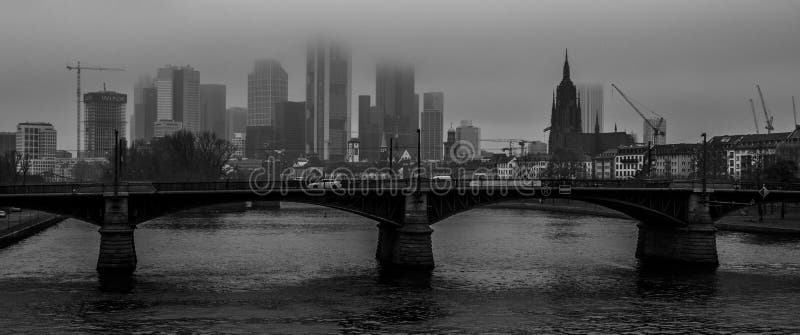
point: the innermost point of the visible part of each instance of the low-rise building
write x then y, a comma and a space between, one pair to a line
629, 161
674, 161
743, 156
604, 164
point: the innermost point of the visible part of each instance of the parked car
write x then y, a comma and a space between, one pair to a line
15, 209
325, 184
2, 214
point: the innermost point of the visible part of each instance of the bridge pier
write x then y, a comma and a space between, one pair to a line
410, 244
117, 249
695, 243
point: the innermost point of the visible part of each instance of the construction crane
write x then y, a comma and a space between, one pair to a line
753, 109
78, 69
769, 126
656, 128
510, 142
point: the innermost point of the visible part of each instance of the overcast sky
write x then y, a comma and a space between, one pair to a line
497, 62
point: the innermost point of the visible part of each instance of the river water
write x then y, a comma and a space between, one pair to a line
304, 269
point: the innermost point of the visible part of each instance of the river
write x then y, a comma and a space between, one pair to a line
305, 269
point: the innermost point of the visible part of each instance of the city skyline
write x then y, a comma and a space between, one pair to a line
515, 89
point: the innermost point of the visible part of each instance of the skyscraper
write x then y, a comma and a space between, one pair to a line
267, 86
105, 112
144, 109
659, 123
590, 96
212, 109
468, 140
178, 96
328, 84
432, 125
370, 129
396, 101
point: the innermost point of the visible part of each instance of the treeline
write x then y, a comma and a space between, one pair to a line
179, 157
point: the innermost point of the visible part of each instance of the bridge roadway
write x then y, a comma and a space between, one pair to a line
675, 223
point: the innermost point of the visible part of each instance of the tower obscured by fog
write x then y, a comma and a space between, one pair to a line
177, 99
432, 125
661, 125
397, 102
105, 112
236, 122
370, 129
328, 85
590, 96
212, 109
144, 108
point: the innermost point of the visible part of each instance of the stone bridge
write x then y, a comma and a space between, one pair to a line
675, 224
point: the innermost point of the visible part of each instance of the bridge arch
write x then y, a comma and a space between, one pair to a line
442, 206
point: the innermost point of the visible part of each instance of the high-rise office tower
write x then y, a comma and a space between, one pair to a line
178, 96
212, 109
290, 126
236, 121
144, 109
370, 129
590, 96
328, 85
396, 101
661, 125
432, 125
267, 86
37, 142
105, 112
468, 140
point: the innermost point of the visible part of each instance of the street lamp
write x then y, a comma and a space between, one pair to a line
705, 161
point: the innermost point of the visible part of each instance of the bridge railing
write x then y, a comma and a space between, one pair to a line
397, 183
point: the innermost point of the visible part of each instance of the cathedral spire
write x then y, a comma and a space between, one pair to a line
566, 64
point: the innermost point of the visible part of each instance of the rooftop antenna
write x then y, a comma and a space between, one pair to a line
104, 86
794, 110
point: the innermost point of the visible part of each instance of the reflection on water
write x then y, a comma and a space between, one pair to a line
310, 270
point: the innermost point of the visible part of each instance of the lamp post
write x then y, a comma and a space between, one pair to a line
705, 162
116, 162
419, 156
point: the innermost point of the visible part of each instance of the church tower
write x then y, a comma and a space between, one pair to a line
566, 111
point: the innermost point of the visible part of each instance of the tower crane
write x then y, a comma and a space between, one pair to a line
753, 109
510, 142
656, 128
769, 126
78, 69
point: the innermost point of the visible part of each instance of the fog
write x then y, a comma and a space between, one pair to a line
497, 62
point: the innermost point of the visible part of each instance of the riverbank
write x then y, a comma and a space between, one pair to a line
746, 220
20, 225
562, 206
